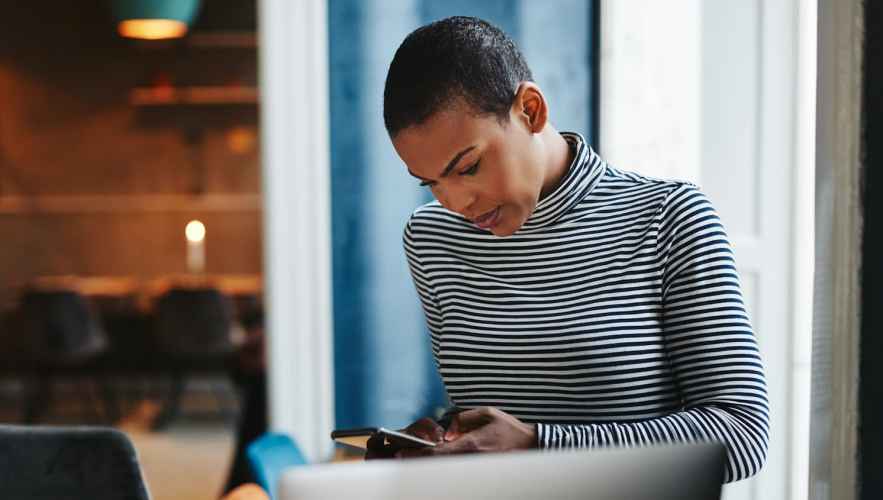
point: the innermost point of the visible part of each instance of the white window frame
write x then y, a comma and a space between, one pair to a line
297, 222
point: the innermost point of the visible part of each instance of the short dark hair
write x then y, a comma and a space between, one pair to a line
456, 57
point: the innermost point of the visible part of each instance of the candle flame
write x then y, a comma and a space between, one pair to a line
195, 231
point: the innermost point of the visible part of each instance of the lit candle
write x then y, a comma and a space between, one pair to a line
195, 233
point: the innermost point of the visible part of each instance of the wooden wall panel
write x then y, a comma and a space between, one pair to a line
67, 128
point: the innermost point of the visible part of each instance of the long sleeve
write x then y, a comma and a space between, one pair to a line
709, 343
424, 290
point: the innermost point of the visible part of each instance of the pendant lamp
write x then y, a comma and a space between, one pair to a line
154, 19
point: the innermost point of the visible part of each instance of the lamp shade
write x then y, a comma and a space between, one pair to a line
154, 19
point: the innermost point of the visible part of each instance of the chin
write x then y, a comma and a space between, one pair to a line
505, 227
503, 230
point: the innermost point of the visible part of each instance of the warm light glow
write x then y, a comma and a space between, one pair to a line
195, 231
152, 29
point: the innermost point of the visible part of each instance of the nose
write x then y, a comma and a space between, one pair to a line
459, 201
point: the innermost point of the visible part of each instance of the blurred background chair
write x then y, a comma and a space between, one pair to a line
11, 377
195, 332
269, 456
60, 334
61, 327
69, 462
129, 366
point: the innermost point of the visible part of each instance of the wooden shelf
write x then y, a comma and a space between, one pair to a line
223, 39
247, 40
118, 203
199, 96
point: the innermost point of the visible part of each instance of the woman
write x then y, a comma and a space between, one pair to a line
570, 304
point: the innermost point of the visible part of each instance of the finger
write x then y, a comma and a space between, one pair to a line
468, 421
427, 429
465, 444
408, 453
453, 431
377, 448
376, 442
380, 455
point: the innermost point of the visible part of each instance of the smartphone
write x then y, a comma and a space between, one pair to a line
358, 438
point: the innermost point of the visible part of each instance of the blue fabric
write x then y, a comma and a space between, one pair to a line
379, 331
67, 463
384, 371
269, 456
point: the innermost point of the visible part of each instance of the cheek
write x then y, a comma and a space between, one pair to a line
523, 181
517, 201
520, 186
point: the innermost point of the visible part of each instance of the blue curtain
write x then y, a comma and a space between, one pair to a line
384, 373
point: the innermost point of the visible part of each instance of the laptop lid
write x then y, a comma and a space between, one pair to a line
682, 472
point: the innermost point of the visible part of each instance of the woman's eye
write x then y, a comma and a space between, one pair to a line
471, 170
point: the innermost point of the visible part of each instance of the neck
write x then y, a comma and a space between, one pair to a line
558, 161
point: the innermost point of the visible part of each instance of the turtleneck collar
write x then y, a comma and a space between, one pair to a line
581, 177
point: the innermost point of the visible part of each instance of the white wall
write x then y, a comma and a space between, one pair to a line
650, 83
719, 93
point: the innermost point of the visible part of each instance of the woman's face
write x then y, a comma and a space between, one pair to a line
491, 174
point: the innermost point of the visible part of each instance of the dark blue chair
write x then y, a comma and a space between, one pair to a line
67, 463
62, 336
269, 456
194, 327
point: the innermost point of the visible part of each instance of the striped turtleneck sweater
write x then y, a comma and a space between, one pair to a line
612, 317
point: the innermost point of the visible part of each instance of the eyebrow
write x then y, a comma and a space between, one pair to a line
451, 164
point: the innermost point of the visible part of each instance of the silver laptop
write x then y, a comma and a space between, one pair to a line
683, 472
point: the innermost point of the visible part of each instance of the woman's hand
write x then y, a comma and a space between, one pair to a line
425, 428
480, 430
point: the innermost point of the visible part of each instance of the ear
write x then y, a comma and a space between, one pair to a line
530, 108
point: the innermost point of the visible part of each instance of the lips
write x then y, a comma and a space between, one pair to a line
488, 219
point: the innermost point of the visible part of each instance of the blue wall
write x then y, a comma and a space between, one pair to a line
384, 373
